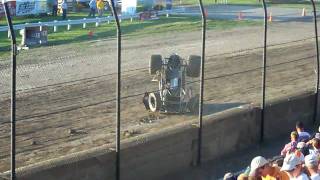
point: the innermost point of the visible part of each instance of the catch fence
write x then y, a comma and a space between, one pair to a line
119, 73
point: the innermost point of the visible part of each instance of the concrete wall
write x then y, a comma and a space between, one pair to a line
153, 155
230, 131
282, 114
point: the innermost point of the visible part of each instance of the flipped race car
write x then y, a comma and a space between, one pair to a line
173, 96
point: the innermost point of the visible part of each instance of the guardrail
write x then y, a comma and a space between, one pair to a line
84, 21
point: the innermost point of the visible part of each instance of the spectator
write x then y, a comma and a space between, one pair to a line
316, 136
93, 6
315, 147
54, 7
303, 135
168, 4
311, 163
64, 7
260, 168
303, 148
291, 147
106, 6
292, 165
242, 177
229, 176
278, 162
100, 7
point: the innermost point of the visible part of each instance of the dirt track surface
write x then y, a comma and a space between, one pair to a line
66, 98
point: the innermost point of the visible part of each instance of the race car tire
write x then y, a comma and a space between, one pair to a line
154, 102
193, 66
155, 64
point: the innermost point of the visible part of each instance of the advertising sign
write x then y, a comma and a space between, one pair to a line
35, 35
129, 7
26, 7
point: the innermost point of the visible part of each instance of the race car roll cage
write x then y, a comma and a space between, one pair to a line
174, 83
173, 96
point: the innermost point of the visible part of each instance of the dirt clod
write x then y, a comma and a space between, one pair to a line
72, 131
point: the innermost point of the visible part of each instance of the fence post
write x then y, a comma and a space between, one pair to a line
23, 37
13, 90
264, 71
40, 28
40, 25
114, 11
204, 27
55, 27
84, 25
97, 21
318, 63
69, 25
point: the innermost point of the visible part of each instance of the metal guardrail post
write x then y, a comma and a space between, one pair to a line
264, 71
317, 50
84, 25
55, 27
13, 90
114, 11
69, 25
97, 21
204, 27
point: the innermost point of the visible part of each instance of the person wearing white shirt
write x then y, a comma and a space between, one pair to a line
64, 7
312, 163
292, 165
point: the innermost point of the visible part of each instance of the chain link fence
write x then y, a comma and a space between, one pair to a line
66, 90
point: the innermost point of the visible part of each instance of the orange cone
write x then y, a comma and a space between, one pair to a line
303, 12
240, 16
90, 34
270, 17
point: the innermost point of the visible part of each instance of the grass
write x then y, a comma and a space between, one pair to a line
129, 29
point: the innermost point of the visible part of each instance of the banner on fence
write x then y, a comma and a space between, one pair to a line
25, 7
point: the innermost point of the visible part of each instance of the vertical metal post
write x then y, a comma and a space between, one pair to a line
204, 24
13, 90
315, 113
264, 72
118, 90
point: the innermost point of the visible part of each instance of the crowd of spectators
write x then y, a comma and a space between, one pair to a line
298, 160
98, 6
